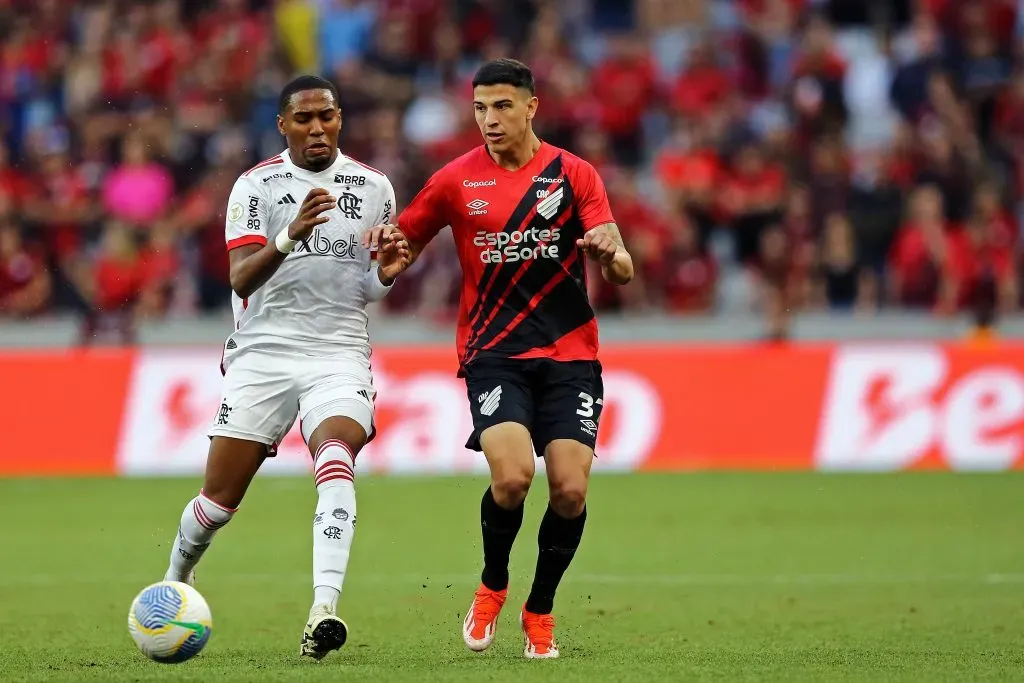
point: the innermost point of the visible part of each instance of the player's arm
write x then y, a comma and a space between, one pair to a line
420, 222
604, 244
601, 240
391, 248
253, 261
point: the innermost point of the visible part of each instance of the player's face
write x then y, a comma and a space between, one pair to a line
311, 125
503, 113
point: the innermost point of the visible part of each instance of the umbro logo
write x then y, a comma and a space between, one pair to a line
489, 401
287, 199
476, 207
589, 426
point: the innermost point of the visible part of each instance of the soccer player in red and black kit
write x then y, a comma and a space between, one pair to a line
524, 215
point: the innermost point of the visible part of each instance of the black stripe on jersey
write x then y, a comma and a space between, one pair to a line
562, 309
496, 276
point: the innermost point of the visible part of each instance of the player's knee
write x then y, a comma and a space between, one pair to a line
226, 497
568, 497
510, 487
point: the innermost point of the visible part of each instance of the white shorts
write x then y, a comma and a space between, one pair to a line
265, 391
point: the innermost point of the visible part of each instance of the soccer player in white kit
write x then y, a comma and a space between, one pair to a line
301, 279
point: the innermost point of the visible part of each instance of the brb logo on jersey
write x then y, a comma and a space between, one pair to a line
319, 243
519, 245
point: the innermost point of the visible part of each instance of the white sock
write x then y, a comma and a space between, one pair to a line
335, 520
199, 522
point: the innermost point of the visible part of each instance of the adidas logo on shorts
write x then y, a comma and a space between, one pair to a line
287, 199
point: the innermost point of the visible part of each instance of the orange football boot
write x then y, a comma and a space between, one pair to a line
482, 618
539, 632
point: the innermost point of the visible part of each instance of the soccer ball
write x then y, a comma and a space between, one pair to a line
170, 622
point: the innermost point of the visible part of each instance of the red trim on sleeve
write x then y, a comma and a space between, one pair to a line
248, 239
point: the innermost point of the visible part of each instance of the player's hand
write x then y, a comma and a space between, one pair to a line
317, 201
378, 235
393, 254
599, 246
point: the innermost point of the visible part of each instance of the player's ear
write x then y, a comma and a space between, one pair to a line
280, 124
531, 108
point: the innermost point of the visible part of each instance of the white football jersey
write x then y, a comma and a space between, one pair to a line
315, 303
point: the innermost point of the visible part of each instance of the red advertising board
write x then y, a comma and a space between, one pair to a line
827, 407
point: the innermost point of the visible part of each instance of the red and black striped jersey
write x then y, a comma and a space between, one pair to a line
524, 286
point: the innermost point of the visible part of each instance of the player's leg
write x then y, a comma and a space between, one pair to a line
569, 411
257, 411
501, 404
230, 467
337, 417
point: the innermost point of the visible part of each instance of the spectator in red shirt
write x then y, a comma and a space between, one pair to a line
920, 251
751, 199
159, 264
817, 89
650, 235
117, 271
59, 202
703, 84
12, 184
25, 284
692, 274
983, 249
690, 173
624, 84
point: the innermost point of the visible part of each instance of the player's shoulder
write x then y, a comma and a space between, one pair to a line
469, 162
265, 170
352, 172
572, 163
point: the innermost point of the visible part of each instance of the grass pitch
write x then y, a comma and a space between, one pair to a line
716, 577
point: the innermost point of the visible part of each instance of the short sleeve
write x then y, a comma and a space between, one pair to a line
247, 215
387, 203
427, 214
591, 197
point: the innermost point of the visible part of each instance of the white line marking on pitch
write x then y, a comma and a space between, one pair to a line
583, 578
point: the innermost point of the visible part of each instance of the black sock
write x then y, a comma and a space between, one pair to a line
557, 542
499, 528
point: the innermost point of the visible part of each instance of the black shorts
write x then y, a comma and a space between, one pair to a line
552, 399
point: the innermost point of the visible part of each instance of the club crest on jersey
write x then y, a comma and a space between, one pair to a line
350, 205
548, 205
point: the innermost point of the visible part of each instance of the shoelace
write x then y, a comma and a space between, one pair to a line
487, 605
540, 629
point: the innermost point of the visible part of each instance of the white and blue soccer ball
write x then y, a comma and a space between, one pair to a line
170, 622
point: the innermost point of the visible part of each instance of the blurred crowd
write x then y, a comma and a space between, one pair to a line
772, 155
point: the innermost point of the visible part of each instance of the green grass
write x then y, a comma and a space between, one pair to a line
717, 577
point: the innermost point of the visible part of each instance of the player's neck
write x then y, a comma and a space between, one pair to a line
299, 162
519, 155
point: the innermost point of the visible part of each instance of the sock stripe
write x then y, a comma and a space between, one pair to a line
333, 477
204, 519
335, 464
334, 468
334, 442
